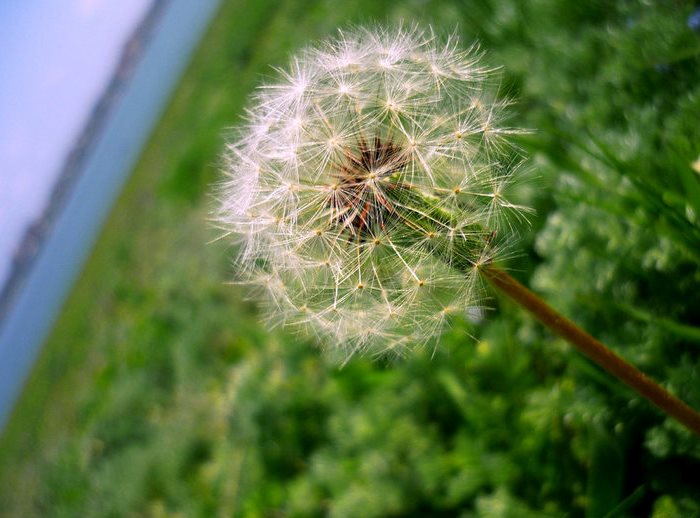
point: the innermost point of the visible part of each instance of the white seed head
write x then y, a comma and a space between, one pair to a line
321, 184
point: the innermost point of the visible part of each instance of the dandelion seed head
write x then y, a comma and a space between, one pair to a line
321, 184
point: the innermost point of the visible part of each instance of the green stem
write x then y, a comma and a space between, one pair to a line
424, 214
595, 350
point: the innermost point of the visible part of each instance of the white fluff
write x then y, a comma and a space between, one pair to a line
307, 180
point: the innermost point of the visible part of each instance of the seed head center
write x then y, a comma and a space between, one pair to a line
358, 202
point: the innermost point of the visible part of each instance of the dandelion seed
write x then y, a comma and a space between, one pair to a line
366, 187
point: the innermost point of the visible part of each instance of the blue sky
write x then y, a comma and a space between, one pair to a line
57, 57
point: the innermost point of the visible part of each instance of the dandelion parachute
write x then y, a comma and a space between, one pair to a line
367, 185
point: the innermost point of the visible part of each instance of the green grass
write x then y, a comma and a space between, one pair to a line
159, 393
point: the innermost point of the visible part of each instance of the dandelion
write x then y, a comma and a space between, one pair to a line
369, 190
364, 181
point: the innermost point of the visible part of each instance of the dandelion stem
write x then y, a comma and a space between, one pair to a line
462, 257
594, 349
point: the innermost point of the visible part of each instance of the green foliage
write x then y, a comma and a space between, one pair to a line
160, 394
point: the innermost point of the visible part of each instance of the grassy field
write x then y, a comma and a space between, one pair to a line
159, 393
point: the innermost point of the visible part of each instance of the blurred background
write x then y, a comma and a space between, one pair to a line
134, 381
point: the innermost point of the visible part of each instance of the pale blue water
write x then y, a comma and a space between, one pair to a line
36, 305
49, 82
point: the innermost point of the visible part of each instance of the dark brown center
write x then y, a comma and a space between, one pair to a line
359, 202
